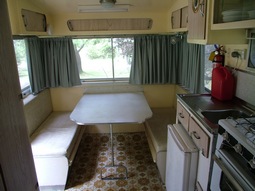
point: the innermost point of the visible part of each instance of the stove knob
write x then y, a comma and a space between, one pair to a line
252, 163
225, 136
238, 148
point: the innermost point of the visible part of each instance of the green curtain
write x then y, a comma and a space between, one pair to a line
191, 71
157, 61
53, 63
36, 68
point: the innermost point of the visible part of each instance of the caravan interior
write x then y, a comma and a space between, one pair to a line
120, 95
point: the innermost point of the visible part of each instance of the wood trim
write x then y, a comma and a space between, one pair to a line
16, 158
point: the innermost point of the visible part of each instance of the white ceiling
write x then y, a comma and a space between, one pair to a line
71, 6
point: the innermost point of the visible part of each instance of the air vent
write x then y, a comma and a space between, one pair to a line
109, 24
33, 21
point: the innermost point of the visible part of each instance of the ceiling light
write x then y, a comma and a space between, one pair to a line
107, 3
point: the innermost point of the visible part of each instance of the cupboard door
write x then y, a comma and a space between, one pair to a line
33, 21
176, 19
182, 116
200, 138
184, 17
17, 166
197, 20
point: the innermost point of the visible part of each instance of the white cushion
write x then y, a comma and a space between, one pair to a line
54, 136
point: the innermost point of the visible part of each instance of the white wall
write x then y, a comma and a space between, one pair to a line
245, 87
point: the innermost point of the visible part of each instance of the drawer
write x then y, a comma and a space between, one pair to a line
199, 136
182, 116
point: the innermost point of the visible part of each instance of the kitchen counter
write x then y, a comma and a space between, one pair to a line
196, 103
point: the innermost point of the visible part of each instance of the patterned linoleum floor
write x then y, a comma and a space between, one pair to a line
130, 150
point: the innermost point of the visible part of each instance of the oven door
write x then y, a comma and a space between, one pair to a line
229, 175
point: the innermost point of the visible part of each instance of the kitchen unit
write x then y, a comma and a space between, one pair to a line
199, 115
203, 138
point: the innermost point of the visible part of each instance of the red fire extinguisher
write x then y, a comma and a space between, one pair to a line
217, 56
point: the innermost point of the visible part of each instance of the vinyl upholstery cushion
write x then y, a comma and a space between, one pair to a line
54, 136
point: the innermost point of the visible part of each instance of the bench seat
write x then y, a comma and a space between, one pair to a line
55, 136
54, 144
156, 132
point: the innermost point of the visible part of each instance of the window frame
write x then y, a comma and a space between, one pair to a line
25, 91
207, 61
113, 79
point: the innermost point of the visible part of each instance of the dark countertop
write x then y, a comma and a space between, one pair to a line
200, 102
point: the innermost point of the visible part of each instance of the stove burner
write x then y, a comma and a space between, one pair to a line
242, 130
247, 127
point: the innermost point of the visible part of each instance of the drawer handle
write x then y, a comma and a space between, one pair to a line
181, 115
195, 134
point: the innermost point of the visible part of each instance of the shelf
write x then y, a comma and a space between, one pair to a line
234, 25
240, 13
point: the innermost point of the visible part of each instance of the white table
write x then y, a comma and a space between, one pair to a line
111, 108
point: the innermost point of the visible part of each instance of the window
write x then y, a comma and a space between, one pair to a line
21, 58
208, 67
104, 58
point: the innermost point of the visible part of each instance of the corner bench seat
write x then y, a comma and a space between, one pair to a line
54, 144
55, 137
156, 132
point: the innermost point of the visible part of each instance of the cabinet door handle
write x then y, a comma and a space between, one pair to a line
181, 115
195, 135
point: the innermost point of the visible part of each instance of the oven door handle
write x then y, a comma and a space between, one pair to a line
227, 173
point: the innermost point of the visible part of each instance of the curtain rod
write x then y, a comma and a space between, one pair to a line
91, 36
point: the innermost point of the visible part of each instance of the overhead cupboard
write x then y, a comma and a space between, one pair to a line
201, 29
233, 14
179, 19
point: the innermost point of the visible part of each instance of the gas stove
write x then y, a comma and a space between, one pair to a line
242, 129
234, 158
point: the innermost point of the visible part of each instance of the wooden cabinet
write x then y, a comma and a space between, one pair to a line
203, 139
200, 30
197, 20
176, 19
184, 17
200, 138
179, 19
182, 116
33, 21
229, 15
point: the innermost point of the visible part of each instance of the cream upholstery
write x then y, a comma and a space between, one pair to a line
37, 109
54, 136
54, 141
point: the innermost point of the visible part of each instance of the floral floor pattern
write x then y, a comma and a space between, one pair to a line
130, 150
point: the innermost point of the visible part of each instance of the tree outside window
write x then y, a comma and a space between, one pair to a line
104, 58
